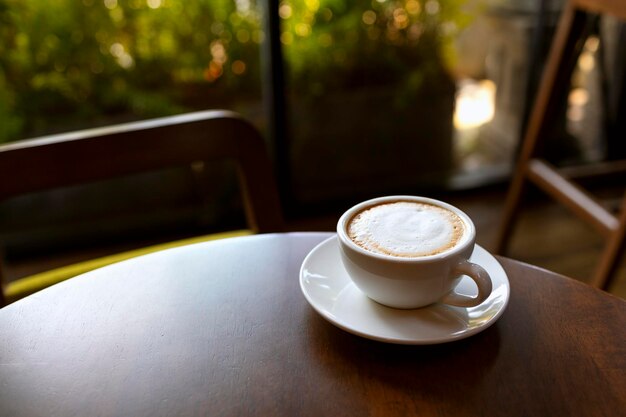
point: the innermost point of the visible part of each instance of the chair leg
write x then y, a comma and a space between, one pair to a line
511, 210
2, 285
610, 258
558, 69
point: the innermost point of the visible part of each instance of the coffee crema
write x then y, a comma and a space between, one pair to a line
407, 229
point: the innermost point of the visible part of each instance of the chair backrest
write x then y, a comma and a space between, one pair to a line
102, 153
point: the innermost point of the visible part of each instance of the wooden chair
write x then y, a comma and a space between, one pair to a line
126, 149
566, 47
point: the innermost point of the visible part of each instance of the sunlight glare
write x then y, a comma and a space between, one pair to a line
154, 4
475, 104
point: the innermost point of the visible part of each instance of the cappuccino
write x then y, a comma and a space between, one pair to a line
406, 229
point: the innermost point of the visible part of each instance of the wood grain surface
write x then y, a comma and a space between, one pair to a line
222, 329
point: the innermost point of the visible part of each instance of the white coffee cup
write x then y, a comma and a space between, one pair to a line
412, 281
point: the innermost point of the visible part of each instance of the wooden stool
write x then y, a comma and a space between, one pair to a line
566, 47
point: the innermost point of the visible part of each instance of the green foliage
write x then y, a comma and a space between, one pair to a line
339, 44
67, 64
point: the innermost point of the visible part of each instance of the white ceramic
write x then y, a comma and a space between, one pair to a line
414, 282
328, 288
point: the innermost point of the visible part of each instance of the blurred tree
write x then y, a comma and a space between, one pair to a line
339, 44
67, 64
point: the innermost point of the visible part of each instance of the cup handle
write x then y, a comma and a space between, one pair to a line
480, 277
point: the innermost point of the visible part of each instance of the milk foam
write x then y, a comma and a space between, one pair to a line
406, 229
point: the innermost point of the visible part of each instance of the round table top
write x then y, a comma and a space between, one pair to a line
222, 328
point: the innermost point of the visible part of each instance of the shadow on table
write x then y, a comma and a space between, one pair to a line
437, 374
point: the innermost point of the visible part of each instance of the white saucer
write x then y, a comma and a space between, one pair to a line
328, 288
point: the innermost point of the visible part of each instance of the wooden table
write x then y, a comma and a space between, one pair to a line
222, 329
